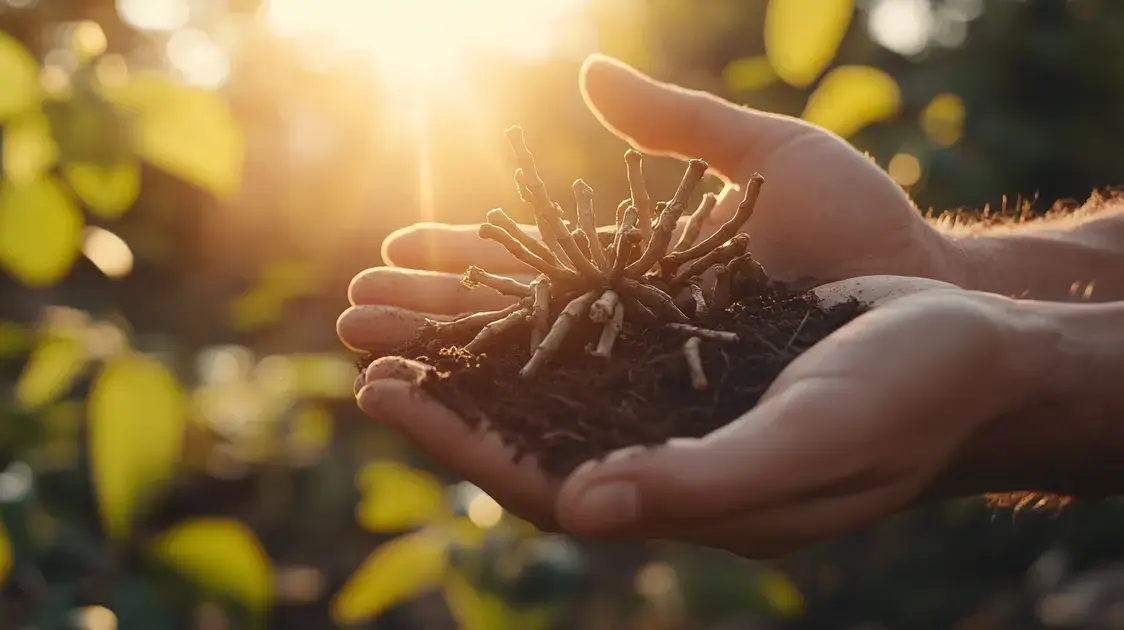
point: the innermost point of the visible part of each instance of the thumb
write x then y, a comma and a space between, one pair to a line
665, 119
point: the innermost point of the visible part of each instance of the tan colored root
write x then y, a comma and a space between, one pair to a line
565, 240
626, 220
659, 302
620, 211
720, 255
628, 240
550, 345
669, 217
636, 312
540, 310
724, 233
694, 225
468, 323
705, 333
500, 219
525, 256
634, 163
694, 363
602, 310
610, 333
475, 277
748, 267
587, 221
720, 294
495, 329
532, 190
694, 286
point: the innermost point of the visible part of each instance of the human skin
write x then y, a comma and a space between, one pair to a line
938, 391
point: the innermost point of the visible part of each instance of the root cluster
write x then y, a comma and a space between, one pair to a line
638, 278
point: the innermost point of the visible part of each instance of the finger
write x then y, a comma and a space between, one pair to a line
476, 455
425, 291
375, 328
875, 290
449, 248
784, 448
665, 119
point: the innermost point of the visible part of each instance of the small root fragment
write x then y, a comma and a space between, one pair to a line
747, 266
720, 294
550, 345
475, 277
532, 190
495, 329
694, 226
705, 333
610, 333
694, 286
724, 233
694, 363
602, 310
499, 218
540, 310
669, 217
526, 256
634, 164
468, 323
587, 221
719, 255
659, 302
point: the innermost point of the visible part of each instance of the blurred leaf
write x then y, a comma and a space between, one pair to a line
107, 190
475, 609
5, 554
40, 231
802, 36
29, 148
255, 308
399, 570
397, 497
312, 428
220, 555
87, 40
943, 119
783, 596
749, 74
137, 420
188, 132
852, 97
54, 365
19, 74
15, 338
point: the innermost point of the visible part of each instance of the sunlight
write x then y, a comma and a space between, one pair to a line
427, 41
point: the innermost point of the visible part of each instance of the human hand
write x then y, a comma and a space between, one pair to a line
862, 425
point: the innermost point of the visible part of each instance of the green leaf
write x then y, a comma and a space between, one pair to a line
803, 36
220, 555
5, 553
19, 74
29, 148
188, 132
40, 231
108, 190
137, 417
852, 97
399, 570
397, 498
53, 367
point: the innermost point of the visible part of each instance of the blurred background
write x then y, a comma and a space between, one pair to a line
188, 186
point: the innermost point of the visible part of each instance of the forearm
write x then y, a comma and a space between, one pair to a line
1078, 258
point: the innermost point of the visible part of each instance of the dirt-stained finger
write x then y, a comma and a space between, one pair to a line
374, 328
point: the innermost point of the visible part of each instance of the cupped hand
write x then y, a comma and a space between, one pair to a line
860, 426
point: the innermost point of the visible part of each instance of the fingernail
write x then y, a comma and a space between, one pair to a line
373, 399
608, 506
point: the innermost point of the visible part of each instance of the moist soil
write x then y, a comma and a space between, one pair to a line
581, 407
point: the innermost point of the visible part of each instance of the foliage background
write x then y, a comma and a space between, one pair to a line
178, 445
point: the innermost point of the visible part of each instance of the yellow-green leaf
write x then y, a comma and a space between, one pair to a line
189, 132
943, 119
749, 74
477, 610
397, 497
221, 556
852, 97
399, 570
54, 365
19, 74
15, 338
29, 148
108, 190
137, 420
802, 36
5, 554
40, 231
782, 595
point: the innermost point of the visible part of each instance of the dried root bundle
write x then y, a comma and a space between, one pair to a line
638, 278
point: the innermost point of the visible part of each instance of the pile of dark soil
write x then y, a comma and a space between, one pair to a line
581, 407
